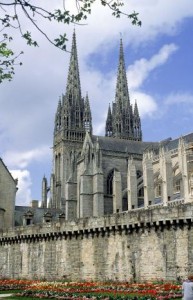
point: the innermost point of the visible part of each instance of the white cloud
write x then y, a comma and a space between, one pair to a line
182, 102
158, 17
178, 98
23, 159
178, 104
141, 69
23, 195
102, 30
147, 105
102, 89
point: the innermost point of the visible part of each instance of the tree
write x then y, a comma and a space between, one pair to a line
10, 17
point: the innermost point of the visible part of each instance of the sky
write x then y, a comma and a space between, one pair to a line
159, 64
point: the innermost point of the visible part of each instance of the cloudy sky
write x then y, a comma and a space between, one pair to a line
159, 63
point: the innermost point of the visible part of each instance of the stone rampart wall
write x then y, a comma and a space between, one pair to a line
138, 245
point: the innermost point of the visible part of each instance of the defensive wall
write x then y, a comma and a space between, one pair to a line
142, 244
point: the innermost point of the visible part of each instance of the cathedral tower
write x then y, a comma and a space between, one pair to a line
122, 122
73, 116
72, 121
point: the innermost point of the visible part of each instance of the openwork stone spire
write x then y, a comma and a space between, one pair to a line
73, 116
122, 118
122, 95
73, 89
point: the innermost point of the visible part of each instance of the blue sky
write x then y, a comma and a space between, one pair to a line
159, 64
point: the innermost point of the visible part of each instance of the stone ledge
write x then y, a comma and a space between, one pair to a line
140, 227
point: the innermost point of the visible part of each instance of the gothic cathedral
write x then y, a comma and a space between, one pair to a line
99, 175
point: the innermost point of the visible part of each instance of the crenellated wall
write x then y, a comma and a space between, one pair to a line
150, 243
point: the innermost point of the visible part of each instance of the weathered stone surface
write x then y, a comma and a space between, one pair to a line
137, 245
7, 197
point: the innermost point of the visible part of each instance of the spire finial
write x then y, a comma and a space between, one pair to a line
73, 89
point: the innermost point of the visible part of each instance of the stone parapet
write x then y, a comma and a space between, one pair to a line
156, 216
143, 244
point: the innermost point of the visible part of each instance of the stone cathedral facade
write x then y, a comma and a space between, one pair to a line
100, 175
85, 165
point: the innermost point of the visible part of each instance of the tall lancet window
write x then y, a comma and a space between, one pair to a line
110, 183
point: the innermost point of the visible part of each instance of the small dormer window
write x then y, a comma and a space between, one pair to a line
28, 221
28, 218
47, 218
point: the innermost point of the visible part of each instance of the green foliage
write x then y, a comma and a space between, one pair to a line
61, 42
10, 14
28, 38
7, 60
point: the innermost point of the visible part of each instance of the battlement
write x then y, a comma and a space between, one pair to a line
138, 245
155, 217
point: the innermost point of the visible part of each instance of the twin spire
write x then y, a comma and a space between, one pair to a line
122, 121
73, 116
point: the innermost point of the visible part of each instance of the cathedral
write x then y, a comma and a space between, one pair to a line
93, 176
115, 209
101, 175
86, 165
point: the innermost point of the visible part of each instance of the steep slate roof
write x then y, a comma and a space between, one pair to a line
123, 146
138, 147
38, 214
173, 144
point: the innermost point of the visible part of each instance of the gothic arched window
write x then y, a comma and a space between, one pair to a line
110, 183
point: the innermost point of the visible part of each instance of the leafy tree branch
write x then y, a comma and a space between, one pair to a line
10, 19
7, 60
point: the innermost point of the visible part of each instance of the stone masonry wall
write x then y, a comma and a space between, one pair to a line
138, 245
7, 196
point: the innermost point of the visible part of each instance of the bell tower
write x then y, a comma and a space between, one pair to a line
72, 120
